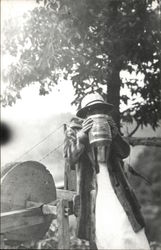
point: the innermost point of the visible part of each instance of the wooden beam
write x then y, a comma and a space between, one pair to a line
34, 215
50, 208
47, 209
144, 141
2, 244
76, 205
20, 219
73, 200
63, 225
65, 194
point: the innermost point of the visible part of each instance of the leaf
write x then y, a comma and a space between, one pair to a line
91, 41
125, 99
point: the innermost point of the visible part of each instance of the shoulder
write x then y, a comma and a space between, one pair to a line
120, 146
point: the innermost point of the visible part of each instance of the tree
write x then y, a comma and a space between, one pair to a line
91, 42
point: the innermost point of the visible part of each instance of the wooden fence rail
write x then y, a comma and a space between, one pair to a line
35, 214
144, 141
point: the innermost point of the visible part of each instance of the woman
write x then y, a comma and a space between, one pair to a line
110, 215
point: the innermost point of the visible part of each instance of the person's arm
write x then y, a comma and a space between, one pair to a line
77, 148
119, 144
76, 141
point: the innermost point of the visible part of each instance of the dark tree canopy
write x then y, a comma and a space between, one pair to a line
91, 42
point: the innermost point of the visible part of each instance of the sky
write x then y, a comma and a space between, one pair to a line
33, 117
61, 96
39, 106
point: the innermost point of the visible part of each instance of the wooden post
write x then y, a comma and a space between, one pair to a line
66, 164
69, 173
63, 225
2, 245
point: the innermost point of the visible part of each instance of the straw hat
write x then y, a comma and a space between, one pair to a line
96, 101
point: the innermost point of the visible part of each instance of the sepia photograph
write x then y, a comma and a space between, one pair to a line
80, 124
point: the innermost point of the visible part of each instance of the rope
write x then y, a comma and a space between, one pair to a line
37, 144
53, 150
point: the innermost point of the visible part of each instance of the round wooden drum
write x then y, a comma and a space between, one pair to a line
22, 182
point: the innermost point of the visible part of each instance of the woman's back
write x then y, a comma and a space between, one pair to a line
113, 229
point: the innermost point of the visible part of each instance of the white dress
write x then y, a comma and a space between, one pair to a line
113, 229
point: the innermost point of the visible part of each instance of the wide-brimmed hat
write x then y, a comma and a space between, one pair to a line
96, 101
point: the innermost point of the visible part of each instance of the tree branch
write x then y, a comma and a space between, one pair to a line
134, 130
144, 141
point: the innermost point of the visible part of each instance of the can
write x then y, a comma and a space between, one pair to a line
100, 133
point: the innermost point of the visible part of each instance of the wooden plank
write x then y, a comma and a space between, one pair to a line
50, 208
2, 244
144, 141
63, 225
47, 209
33, 204
70, 205
72, 180
20, 219
65, 194
73, 200
76, 205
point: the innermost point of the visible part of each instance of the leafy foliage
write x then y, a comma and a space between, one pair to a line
148, 164
91, 42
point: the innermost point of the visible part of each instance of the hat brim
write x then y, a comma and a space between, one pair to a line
107, 108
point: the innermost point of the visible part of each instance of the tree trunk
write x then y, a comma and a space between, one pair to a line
113, 94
